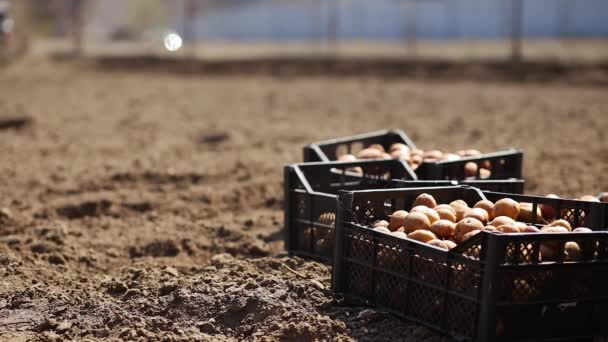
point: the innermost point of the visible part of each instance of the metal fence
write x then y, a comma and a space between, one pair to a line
565, 29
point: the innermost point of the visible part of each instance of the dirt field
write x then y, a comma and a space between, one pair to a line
149, 206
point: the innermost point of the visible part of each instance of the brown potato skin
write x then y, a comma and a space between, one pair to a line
447, 207
547, 210
443, 229
502, 220
525, 213
506, 207
438, 243
466, 225
450, 244
397, 219
422, 235
426, 200
398, 146
479, 214
381, 223
460, 207
589, 198
400, 234
382, 230
347, 157
561, 223
470, 234
377, 147
572, 251
486, 205
416, 221
507, 228
370, 153
445, 214
530, 229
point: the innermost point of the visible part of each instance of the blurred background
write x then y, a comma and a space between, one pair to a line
564, 30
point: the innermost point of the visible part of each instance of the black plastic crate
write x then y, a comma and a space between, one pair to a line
515, 186
328, 150
311, 196
593, 215
492, 287
503, 165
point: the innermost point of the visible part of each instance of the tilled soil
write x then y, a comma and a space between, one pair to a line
149, 205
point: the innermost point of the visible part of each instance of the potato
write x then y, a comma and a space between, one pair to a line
502, 220
450, 157
572, 251
460, 207
328, 219
508, 228
416, 221
347, 157
549, 249
603, 197
486, 205
506, 207
419, 209
438, 243
450, 244
582, 230
432, 154
554, 229
470, 170
370, 153
443, 228
471, 152
529, 229
382, 230
422, 235
401, 235
399, 147
430, 213
484, 173
426, 200
520, 225
377, 147
400, 154
547, 210
470, 234
386, 156
479, 214
397, 219
381, 223
466, 225
446, 214
446, 207
589, 198
525, 213
561, 223
489, 228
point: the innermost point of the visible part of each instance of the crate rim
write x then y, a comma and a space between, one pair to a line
400, 132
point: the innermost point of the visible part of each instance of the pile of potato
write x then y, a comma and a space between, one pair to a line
447, 225
416, 157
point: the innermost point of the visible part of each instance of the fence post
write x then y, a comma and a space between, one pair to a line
411, 30
516, 30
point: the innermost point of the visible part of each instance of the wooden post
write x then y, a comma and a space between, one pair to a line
411, 30
516, 30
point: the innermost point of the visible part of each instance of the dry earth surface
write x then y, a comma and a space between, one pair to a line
149, 205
